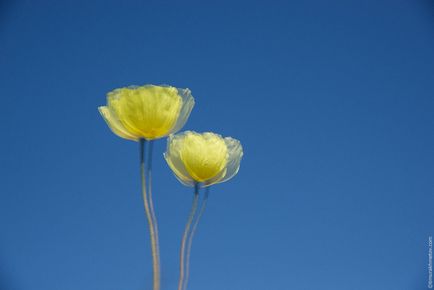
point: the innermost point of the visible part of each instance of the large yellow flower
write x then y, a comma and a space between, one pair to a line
149, 112
204, 158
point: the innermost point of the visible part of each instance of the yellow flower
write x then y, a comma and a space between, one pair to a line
205, 158
148, 112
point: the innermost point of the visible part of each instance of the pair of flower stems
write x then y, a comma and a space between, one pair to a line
146, 151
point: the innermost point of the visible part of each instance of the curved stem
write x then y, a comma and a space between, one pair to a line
190, 238
184, 237
151, 203
146, 203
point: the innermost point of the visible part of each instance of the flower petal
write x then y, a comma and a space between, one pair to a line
115, 125
204, 155
187, 106
235, 154
215, 179
173, 159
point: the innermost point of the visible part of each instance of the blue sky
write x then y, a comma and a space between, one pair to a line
332, 100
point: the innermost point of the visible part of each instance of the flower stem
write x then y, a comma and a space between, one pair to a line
149, 215
151, 203
184, 237
190, 238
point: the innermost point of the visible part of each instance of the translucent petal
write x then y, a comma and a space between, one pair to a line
203, 155
187, 106
235, 154
215, 179
115, 125
147, 111
173, 159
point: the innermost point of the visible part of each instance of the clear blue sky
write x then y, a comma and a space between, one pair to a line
332, 100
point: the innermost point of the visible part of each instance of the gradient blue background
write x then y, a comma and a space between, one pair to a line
332, 100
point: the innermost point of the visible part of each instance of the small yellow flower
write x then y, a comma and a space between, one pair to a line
148, 112
205, 158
